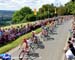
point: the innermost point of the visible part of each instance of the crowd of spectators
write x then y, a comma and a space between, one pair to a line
11, 34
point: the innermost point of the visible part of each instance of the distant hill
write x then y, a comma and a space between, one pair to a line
6, 13
5, 17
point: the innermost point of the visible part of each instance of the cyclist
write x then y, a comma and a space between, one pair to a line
31, 45
25, 48
44, 30
35, 38
51, 26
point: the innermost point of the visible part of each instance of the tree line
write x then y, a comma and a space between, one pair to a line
46, 11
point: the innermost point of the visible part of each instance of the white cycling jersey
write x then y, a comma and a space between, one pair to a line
29, 42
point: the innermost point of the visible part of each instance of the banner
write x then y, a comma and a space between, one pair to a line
35, 12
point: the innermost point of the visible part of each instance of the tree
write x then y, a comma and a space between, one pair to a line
70, 7
73, 0
47, 10
26, 10
30, 17
61, 10
47, 7
18, 16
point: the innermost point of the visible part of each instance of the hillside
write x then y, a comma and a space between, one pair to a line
6, 13
5, 17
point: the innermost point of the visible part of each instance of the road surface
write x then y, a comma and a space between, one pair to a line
53, 48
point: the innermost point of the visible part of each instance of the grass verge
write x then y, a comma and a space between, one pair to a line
17, 42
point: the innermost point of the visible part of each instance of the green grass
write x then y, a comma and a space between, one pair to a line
17, 42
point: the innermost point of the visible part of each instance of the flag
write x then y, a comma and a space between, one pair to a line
35, 12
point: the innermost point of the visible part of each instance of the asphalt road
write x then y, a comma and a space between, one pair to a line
53, 48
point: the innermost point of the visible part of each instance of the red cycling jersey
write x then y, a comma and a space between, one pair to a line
25, 41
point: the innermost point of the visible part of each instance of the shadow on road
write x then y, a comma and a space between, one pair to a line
41, 45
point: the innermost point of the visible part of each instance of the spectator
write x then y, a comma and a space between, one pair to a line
70, 52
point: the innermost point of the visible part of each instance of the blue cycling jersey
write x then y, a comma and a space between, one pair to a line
5, 56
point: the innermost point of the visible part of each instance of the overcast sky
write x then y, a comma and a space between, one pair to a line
18, 4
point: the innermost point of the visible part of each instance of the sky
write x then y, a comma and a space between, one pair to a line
18, 4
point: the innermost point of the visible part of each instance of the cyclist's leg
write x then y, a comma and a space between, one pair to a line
22, 52
36, 42
21, 55
32, 50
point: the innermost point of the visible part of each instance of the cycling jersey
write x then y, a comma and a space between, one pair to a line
5, 56
25, 41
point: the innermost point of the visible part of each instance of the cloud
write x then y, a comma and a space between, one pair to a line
18, 4
64, 1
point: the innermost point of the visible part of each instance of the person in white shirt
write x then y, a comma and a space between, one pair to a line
69, 51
